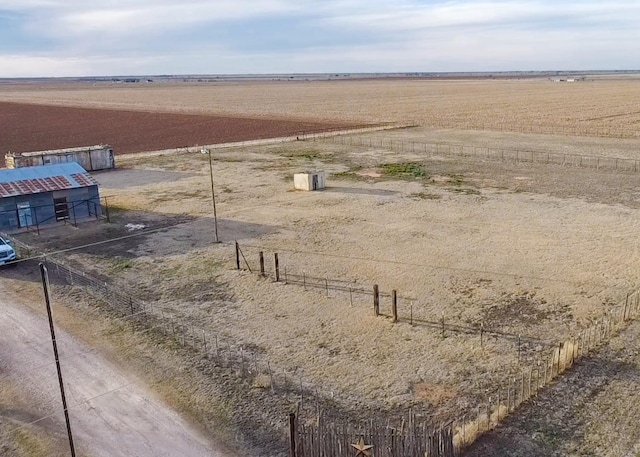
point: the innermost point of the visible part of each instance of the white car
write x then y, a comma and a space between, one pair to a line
7, 253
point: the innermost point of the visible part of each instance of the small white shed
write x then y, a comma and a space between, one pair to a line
310, 180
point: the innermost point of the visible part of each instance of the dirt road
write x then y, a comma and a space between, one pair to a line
111, 413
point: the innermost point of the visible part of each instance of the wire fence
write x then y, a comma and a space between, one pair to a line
399, 308
311, 435
549, 129
490, 153
546, 361
34, 218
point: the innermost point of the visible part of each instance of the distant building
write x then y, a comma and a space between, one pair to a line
566, 80
91, 158
34, 196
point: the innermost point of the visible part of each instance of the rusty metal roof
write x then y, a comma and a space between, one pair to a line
46, 178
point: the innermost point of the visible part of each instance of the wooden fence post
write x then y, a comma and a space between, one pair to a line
292, 435
394, 305
376, 300
276, 266
489, 414
261, 263
237, 256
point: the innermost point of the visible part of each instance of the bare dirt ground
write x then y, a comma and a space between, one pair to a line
111, 412
596, 103
28, 127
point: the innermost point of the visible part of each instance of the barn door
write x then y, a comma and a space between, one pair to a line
61, 208
24, 215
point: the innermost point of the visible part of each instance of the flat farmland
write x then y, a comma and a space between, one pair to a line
602, 105
29, 127
533, 253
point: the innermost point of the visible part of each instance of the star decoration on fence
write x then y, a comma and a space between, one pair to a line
363, 449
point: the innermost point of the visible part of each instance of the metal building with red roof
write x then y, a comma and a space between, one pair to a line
33, 196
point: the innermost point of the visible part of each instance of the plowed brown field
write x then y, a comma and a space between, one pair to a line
28, 127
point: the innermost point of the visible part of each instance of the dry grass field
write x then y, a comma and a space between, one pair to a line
592, 104
530, 251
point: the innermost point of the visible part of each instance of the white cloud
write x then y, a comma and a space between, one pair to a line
142, 16
95, 37
509, 13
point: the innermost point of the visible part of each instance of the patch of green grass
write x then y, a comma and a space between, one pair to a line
350, 174
404, 170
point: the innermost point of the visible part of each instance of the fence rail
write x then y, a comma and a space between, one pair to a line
491, 153
400, 308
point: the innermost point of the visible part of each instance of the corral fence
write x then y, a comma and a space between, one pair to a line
410, 437
491, 153
505, 398
311, 435
399, 308
518, 386
573, 130
453, 438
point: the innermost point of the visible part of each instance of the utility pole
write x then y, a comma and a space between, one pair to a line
45, 287
213, 194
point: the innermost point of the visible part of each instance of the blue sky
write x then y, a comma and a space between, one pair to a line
140, 37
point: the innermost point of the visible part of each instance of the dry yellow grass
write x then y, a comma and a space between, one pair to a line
527, 249
523, 263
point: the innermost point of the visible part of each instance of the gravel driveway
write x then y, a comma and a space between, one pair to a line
111, 413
